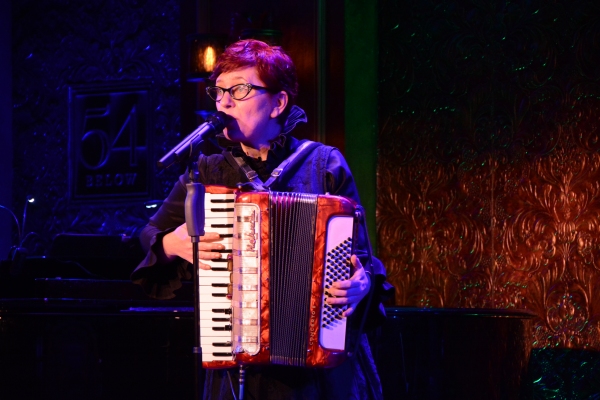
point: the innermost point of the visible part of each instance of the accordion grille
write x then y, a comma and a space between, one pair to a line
292, 228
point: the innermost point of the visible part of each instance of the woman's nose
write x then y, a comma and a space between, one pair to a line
226, 101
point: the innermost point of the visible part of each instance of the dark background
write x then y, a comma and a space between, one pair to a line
472, 127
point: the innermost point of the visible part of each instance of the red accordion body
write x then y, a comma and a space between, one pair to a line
265, 303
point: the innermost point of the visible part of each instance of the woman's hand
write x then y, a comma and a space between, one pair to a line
351, 291
179, 244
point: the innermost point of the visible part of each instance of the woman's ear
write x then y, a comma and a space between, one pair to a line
280, 101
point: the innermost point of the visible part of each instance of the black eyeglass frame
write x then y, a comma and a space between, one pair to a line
250, 86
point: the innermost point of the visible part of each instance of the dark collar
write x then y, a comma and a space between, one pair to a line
279, 150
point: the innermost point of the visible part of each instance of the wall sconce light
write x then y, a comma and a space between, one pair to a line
203, 51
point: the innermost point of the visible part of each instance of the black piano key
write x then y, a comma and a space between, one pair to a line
222, 310
222, 328
224, 251
221, 344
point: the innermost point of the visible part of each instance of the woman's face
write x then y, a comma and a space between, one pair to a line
254, 121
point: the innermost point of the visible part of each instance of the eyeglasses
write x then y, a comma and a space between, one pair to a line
237, 92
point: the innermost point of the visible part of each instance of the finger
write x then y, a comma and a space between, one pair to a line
355, 281
203, 266
356, 262
338, 293
354, 290
210, 237
358, 274
343, 300
209, 255
337, 301
207, 246
347, 284
350, 310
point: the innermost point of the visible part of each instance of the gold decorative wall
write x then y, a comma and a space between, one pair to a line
489, 160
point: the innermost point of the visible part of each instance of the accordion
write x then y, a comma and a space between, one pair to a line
264, 302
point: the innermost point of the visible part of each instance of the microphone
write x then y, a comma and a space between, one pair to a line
208, 130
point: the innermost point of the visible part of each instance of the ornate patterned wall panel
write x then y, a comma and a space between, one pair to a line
489, 169
59, 44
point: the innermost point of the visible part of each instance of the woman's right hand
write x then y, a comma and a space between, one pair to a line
178, 244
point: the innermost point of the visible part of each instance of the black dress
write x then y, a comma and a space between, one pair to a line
323, 170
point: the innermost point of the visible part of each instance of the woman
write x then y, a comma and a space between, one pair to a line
255, 85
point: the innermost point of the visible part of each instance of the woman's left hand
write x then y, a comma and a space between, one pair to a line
351, 291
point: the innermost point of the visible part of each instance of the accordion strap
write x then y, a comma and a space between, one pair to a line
253, 177
369, 297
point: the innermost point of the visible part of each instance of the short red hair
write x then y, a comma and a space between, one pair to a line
275, 67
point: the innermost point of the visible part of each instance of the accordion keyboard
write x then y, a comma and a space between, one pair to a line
215, 284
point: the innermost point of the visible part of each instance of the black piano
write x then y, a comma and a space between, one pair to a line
77, 328
73, 326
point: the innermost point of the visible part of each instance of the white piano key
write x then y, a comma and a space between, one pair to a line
210, 298
210, 197
209, 273
209, 314
216, 353
212, 203
209, 332
209, 324
220, 214
219, 211
209, 338
214, 226
213, 331
210, 358
209, 349
208, 320
213, 279
214, 304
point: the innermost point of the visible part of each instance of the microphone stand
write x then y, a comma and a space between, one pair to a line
194, 218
